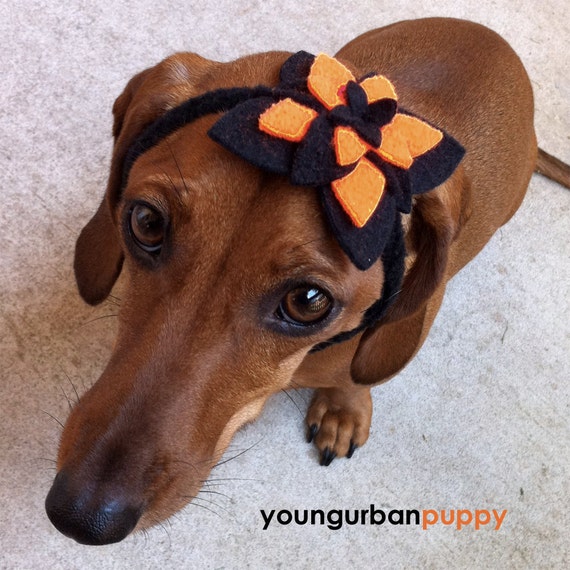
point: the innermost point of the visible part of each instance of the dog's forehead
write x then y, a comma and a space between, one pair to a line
288, 223
191, 170
223, 200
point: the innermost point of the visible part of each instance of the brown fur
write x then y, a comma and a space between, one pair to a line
195, 357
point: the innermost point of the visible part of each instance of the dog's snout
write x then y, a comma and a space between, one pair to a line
90, 518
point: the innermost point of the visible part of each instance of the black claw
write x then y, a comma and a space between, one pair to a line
353, 447
327, 457
312, 432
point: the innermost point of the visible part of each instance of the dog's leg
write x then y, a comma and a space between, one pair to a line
339, 416
339, 420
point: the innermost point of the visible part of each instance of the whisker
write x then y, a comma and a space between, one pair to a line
163, 527
214, 493
195, 465
177, 167
213, 461
169, 178
210, 502
54, 418
52, 467
113, 300
217, 481
299, 391
73, 386
46, 459
67, 398
293, 401
192, 503
98, 319
187, 463
176, 516
71, 402
235, 456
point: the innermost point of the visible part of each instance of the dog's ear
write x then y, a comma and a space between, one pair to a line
98, 254
436, 220
148, 95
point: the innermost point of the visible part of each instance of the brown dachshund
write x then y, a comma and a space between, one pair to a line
234, 278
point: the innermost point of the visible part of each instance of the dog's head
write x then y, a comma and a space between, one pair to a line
232, 278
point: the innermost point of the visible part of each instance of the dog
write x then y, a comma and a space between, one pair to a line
241, 283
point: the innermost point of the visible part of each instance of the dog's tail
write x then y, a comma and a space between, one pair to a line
552, 168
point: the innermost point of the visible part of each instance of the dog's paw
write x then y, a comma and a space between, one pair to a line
338, 421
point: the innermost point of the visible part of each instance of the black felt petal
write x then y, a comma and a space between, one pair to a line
369, 132
399, 186
315, 161
397, 182
343, 115
362, 245
381, 112
436, 166
238, 131
296, 70
357, 98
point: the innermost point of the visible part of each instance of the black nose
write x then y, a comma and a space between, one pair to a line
95, 518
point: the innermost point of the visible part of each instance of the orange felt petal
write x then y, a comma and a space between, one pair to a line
348, 146
287, 120
405, 138
360, 191
326, 80
421, 137
378, 87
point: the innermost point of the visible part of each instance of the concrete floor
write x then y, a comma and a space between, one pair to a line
478, 421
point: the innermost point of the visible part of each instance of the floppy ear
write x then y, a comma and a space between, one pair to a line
149, 94
436, 220
98, 256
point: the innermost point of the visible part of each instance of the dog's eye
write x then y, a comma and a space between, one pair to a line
305, 305
147, 228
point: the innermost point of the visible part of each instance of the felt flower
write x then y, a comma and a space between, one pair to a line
347, 138
365, 119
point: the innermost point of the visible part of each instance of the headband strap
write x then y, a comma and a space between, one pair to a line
191, 110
